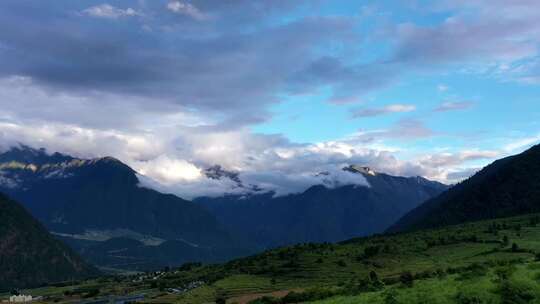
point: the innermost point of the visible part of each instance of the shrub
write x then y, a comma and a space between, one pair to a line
407, 279
341, 263
533, 221
468, 297
504, 272
473, 271
505, 241
222, 300
440, 273
371, 251
515, 292
375, 282
309, 295
390, 280
91, 293
373, 276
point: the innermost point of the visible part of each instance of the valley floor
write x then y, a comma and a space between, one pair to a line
485, 262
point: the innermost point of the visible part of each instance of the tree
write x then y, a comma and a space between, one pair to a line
371, 251
376, 283
505, 241
407, 279
515, 247
373, 276
161, 285
91, 293
515, 292
221, 300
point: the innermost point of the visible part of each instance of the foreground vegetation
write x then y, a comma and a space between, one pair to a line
484, 262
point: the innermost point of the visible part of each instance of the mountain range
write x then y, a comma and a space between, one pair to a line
322, 214
486, 261
95, 205
100, 209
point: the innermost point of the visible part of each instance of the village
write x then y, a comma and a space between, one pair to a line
20, 298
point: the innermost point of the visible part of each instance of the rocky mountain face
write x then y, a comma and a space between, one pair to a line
29, 255
322, 214
88, 202
507, 187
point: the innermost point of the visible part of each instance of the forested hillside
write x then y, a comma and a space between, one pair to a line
509, 186
29, 255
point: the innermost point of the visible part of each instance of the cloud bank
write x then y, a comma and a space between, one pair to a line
174, 87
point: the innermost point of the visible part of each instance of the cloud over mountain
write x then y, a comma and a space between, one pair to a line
174, 87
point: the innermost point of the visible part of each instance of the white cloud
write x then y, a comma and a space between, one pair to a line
453, 106
169, 171
162, 117
522, 143
451, 159
442, 88
172, 162
393, 108
171, 146
108, 11
188, 9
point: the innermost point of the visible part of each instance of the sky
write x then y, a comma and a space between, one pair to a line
275, 90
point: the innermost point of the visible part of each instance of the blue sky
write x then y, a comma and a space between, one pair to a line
276, 90
496, 108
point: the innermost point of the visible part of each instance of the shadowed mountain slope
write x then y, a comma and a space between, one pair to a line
322, 214
96, 200
29, 255
507, 187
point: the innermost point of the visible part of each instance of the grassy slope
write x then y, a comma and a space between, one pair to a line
346, 267
457, 288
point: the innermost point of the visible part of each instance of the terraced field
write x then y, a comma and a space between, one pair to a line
435, 266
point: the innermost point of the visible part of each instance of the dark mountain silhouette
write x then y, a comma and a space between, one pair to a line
29, 255
322, 214
101, 199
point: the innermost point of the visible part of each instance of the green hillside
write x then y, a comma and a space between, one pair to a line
482, 262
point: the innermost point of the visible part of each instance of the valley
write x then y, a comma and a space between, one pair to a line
456, 264
489, 261
270, 152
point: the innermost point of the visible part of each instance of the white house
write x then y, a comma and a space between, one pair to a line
20, 299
